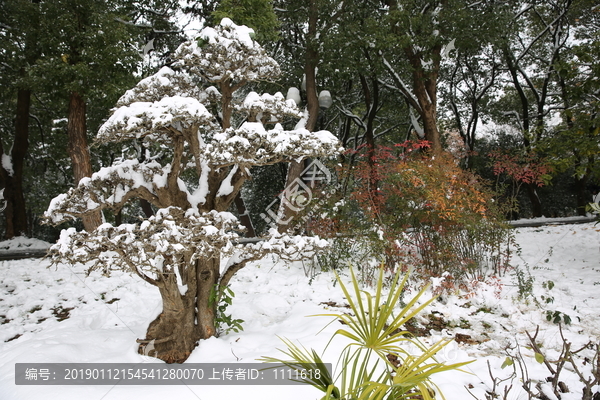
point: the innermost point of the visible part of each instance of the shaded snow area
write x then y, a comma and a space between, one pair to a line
60, 315
23, 243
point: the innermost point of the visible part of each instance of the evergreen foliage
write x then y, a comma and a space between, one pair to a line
528, 68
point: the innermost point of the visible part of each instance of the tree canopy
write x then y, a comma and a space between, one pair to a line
396, 70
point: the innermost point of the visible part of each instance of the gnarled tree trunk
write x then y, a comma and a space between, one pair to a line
185, 318
174, 334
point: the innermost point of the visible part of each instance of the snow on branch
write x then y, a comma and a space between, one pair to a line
415, 124
111, 187
400, 85
157, 120
252, 144
268, 108
191, 246
284, 246
166, 83
190, 227
226, 53
170, 239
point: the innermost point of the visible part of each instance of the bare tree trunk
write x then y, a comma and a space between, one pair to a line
79, 151
534, 198
310, 69
15, 212
432, 133
312, 105
19, 151
582, 195
424, 84
371, 95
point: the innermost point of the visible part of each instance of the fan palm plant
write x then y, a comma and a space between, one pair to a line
375, 364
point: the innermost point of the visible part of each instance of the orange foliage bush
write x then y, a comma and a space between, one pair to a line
417, 211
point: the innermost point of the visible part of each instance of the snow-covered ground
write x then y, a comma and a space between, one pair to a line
23, 243
59, 315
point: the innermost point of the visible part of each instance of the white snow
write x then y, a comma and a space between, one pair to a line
7, 164
226, 188
252, 144
129, 174
199, 195
108, 314
275, 105
448, 48
226, 51
139, 119
24, 243
415, 123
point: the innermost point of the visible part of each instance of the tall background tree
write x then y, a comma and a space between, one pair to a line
78, 68
65, 64
20, 31
573, 145
509, 63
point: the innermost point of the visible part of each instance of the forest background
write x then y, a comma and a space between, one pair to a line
506, 90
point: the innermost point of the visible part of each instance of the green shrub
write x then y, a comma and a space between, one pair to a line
375, 365
224, 322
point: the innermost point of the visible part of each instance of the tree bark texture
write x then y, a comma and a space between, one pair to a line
312, 105
173, 335
15, 212
424, 82
79, 151
185, 318
208, 277
534, 198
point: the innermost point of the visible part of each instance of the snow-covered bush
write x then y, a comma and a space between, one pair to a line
190, 140
407, 209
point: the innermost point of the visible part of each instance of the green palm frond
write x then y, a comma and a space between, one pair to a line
373, 324
375, 328
303, 359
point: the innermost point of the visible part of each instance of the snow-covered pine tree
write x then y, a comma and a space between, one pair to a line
195, 148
